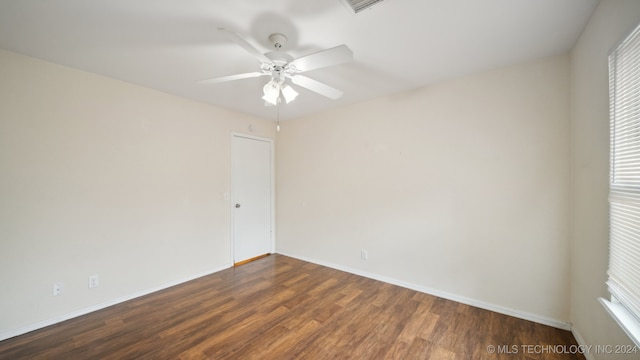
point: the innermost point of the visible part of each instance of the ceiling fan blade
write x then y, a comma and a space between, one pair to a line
246, 45
329, 57
316, 86
232, 77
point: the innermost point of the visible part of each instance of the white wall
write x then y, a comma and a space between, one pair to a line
459, 188
98, 176
611, 21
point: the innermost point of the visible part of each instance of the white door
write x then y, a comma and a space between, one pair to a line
251, 197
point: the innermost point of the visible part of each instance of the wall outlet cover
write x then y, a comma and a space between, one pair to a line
94, 281
58, 289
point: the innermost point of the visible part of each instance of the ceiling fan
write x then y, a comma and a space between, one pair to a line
281, 66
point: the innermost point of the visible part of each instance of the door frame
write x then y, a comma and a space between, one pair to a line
232, 200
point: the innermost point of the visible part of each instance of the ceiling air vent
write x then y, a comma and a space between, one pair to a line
359, 5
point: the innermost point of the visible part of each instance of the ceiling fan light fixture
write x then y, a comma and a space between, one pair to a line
289, 94
271, 92
271, 100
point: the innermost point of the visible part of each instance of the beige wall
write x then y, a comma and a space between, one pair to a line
611, 21
102, 177
460, 188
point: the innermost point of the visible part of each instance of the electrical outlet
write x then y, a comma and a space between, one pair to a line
94, 281
364, 254
58, 289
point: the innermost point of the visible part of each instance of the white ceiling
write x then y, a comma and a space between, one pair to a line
398, 44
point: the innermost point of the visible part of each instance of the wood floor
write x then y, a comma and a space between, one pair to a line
282, 308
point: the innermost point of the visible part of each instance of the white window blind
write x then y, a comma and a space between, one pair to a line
624, 195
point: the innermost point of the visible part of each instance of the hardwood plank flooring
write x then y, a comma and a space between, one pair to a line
282, 308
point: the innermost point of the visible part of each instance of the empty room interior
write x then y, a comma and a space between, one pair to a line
425, 179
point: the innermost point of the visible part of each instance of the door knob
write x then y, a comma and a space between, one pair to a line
237, 206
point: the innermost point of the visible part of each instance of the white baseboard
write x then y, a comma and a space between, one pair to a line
576, 334
41, 324
442, 294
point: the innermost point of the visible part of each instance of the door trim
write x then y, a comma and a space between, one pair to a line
271, 197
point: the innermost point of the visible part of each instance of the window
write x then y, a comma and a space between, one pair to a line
624, 189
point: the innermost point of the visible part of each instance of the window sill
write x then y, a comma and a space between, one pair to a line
624, 318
